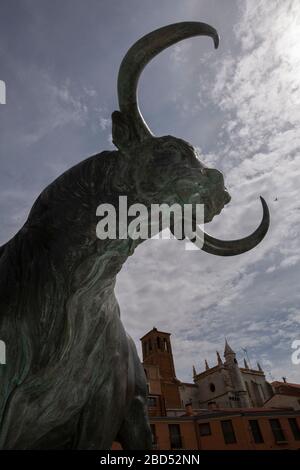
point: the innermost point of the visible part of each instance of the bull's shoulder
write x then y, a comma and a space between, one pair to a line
77, 184
85, 169
84, 173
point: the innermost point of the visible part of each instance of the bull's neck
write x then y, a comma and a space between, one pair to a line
101, 264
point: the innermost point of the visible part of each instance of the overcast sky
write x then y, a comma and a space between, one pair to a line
239, 105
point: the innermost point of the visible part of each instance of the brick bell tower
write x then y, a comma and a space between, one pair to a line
157, 350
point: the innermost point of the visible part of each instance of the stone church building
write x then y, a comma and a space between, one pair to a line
225, 385
226, 407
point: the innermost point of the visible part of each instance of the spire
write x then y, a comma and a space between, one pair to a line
259, 367
220, 362
246, 364
206, 365
228, 349
194, 371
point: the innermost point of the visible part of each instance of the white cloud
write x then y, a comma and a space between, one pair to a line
105, 123
257, 91
249, 100
63, 106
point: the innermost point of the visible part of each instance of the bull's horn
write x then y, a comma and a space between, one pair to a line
235, 247
138, 57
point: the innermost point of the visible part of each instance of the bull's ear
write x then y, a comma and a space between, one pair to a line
122, 134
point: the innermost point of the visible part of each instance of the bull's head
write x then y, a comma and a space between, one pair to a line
166, 169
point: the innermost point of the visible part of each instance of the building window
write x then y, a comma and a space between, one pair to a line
152, 402
277, 430
175, 436
153, 434
212, 404
228, 432
158, 342
150, 345
256, 432
204, 429
262, 391
295, 428
165, 345
212, 387
257, 394
249, 394
235, 397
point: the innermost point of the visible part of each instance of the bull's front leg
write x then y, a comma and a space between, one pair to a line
135, 431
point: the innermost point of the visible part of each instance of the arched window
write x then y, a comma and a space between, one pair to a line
158, 342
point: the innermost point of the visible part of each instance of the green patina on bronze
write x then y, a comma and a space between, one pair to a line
73, 379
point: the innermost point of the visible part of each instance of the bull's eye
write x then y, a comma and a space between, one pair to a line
184, 193
184, 190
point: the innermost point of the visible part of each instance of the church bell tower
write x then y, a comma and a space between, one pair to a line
157, 350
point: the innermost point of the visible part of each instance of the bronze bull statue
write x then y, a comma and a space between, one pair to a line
73, 379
